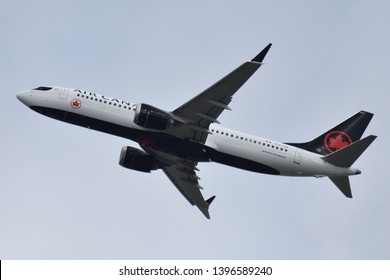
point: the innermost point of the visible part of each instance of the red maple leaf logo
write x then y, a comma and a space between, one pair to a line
338, 142
75, 103
146, 141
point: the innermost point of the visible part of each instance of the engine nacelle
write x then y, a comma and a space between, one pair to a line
150, 117
135, 159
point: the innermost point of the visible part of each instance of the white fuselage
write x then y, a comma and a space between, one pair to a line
286, 159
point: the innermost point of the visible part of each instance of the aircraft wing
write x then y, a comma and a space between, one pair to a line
182, 174
206, 107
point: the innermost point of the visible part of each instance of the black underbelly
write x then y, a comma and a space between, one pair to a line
182, 148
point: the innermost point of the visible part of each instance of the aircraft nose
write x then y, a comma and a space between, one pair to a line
24, 97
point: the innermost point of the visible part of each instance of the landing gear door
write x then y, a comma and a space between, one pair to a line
63, 94
298, 156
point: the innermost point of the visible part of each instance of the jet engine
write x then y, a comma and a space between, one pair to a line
150, 117
135, 159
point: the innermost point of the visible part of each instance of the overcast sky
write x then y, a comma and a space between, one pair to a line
63, 194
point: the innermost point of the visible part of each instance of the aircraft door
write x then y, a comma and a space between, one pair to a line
63, 94
298, 156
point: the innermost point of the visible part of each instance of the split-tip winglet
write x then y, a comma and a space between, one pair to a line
208, 201
205, 211
259, 58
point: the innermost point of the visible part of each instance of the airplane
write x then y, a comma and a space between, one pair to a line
176, 141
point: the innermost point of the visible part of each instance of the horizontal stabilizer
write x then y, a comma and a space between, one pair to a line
346, 156
343, 184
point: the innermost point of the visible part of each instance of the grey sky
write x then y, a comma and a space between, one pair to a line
63, 194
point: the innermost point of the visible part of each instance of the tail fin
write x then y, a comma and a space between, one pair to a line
344, 134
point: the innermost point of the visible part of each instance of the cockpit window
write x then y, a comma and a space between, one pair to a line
43, 88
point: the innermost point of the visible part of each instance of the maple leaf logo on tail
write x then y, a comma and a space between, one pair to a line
336, 140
